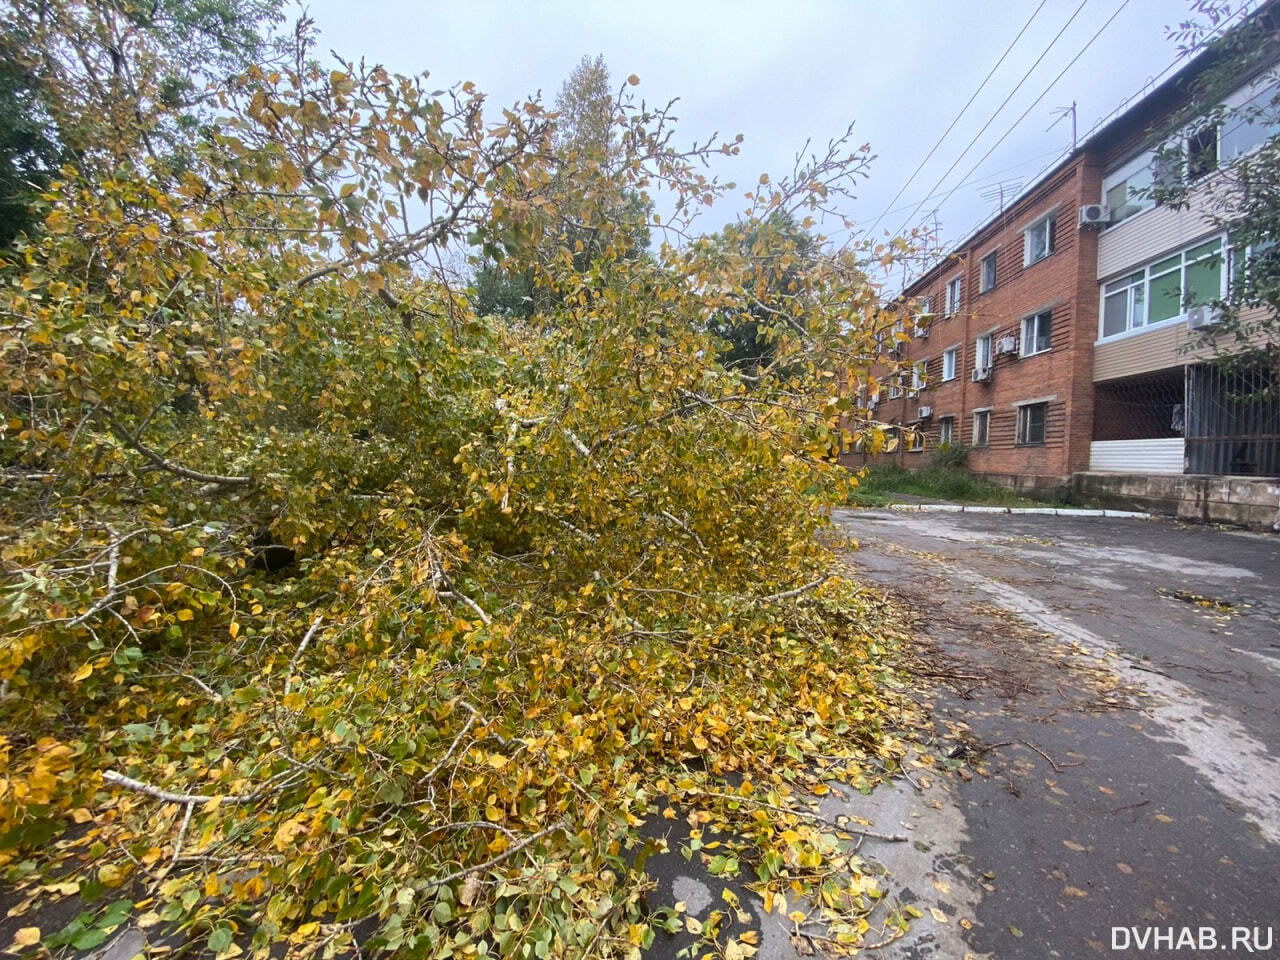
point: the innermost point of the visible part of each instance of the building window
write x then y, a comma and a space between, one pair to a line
918, 371
987, 273
1202, 152
917, 441
949, 363
1031, 418
953, 297
895, 386
1040, 239
1036, 333
981, 427
1163, 290
1126, 192
982, 352
1249, 125
946, 431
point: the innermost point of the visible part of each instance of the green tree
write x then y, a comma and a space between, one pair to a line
777, 249
72, 71
586, 205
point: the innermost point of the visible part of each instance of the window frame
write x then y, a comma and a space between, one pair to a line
917, 442
1136, 284
1021, 437
1050, 222
985, 414
953, 354
1030, 322
946, 431
919, 376
1212, 143
983, 285
989, 337
953, 300
1137, 174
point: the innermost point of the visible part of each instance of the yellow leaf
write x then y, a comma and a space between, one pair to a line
633, 80
497, 761
185, 614
938, 915
27, 937
83, 673
234, 629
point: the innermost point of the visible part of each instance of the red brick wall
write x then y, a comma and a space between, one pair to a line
1064, 282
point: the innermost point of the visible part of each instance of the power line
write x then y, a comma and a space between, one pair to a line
997, 112
1123, 106
1037, 100
979, 180
946, 132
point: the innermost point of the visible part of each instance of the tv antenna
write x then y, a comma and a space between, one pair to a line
1063, 112
1000, 190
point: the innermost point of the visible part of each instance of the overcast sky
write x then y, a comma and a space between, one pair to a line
781, 73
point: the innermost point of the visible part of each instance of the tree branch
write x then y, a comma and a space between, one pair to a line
221, 480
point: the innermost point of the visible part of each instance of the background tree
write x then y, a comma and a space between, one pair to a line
70, 72
586, 204
777, 248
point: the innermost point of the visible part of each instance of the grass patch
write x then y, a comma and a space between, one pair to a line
884, 483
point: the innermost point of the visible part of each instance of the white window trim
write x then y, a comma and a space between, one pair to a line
1033, 401
1145, 159
919, 376
954, 350
1017, 427
1023, 339
990, 336
1026, 238
1145, 267
950, 421
982, 288
973, 424
954, 308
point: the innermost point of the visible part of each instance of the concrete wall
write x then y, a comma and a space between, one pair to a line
1243, 501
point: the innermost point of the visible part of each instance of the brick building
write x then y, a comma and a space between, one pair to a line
1058, 337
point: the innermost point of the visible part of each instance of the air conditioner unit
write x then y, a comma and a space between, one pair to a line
1095, 215
925, 412
982, 375
1006, 345
1203, 316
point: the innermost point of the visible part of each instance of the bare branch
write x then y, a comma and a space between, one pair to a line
221, 480
293, 662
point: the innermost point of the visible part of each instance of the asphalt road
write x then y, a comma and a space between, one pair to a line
1116, 684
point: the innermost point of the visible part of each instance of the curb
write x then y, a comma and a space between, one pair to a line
1041, 511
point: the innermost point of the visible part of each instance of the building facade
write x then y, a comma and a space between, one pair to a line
1061, 336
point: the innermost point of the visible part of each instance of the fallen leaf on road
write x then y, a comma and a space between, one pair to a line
1072, 845
1124, 868
938, 915
1074, 891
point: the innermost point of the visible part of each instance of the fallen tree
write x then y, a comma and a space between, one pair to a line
334, 611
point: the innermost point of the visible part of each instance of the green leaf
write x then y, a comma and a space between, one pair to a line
220, 939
